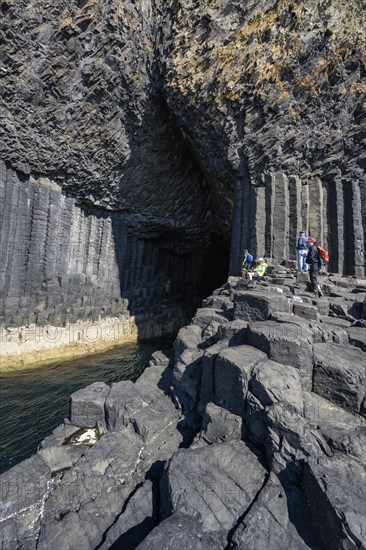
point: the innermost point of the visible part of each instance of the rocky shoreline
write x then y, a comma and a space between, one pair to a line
249, 434
30, 345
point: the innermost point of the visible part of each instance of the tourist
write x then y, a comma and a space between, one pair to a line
313, 259
302, 252
258, 271
246, 263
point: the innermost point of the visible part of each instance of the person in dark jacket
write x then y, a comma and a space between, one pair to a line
313, 259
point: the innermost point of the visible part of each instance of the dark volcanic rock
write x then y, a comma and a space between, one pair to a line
122, 402
233, 370
215, 484
335, 488
290, 439
357, 337
285, 343
177, 532
207, 389
272, 383
256, 306
340, 375
343, 431
268, 524
220, 425
87, 405
22, 490
137, 519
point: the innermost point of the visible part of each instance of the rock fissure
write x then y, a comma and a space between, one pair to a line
242, 517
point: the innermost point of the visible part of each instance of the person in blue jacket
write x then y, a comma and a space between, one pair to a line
302, 252
246, 263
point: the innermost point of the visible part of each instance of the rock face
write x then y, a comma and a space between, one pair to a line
217, 444
143, 142
144, 145
280, 85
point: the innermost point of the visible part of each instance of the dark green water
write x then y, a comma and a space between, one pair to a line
33, 402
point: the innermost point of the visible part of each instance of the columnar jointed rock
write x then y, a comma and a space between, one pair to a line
335, 488
87, 405
218, 425
285, 343
256, 306
214, 484
223, 439
268, 525
233, 370
340, 375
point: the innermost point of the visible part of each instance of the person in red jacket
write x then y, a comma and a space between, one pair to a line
313, 259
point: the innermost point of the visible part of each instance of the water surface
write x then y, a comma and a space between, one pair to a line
33, 402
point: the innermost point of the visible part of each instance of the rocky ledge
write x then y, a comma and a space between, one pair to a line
249, 434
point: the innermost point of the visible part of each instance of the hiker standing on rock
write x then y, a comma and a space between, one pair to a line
302, 252
313, 259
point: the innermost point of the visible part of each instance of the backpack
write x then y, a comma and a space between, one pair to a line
323, 255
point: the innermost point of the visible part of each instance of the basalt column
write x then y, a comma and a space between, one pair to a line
329, 210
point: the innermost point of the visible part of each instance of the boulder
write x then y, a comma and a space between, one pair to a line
207, 387
307, 311
272, 383
215, 484
178, 532
154, 382
271, 523
233, 369
330, 332
78, 513
61, 458
345, 307
338, 322
204, 316
162, 446
286, 343
87, 405
93, 494
122, 402
222, 302
188, 337
151, 420
114, 455
210, 335
161, 357
335, 487
220, 425
340, 375
291, 440
256, 306
343, 431
323, 306
357, 337
187, 373
235, 332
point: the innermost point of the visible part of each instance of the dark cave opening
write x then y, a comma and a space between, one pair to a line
172, 270
215, 269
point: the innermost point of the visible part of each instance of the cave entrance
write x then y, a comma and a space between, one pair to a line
215, 269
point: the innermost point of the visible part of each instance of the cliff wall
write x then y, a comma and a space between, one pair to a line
144, 143
272, 95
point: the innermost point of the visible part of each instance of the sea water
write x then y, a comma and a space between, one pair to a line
34, 401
